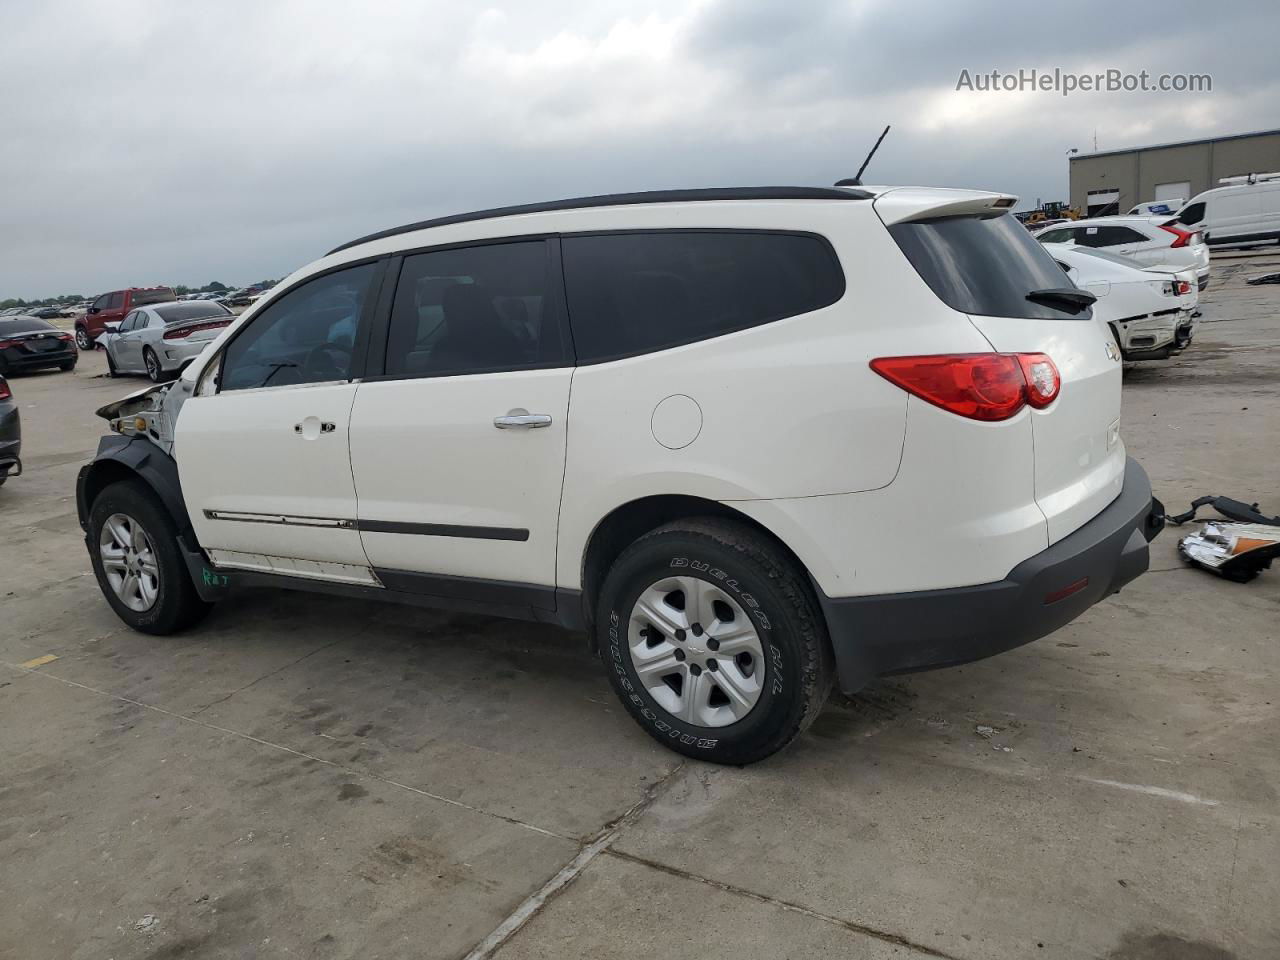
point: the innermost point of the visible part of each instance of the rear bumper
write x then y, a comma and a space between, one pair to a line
900, 633
14, 361
176, 354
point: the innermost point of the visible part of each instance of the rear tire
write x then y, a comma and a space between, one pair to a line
67, 367
757, 599
154, 373
169, 602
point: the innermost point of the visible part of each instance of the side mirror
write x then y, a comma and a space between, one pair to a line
95, 309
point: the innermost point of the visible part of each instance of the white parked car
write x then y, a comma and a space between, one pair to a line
160, 338
1151, 311
753, 442
1150, 240
1243, 212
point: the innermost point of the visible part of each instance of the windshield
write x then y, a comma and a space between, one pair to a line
23, 325
985, 266
158, 295
191, 310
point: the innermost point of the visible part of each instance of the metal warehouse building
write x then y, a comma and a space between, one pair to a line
1114, 180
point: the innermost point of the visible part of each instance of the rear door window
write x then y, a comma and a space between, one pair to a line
477, 309
633, 293
1108, 236
984, 266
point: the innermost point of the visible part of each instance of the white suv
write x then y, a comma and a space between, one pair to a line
752, 441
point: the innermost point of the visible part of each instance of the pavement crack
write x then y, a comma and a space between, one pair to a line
532, 905
269, 674
351, 771
892, 938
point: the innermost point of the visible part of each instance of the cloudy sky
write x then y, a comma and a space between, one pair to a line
164, 141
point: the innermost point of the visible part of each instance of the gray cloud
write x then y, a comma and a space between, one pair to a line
150, 142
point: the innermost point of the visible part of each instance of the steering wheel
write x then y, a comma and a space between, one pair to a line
327, 361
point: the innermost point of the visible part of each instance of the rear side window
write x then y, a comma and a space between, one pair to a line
1108, 236
160, 295
983, 266
477, 309
1057, 236
1192, 214
634, 293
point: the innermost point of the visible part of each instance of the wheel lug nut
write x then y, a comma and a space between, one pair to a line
697, 629
695, 669
713, 644
679, 654
680, 635
712, 666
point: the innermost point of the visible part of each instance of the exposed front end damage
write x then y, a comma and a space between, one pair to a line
150, 413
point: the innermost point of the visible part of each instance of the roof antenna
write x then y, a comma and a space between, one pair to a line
856, 180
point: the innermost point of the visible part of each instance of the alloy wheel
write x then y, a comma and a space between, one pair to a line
696, 651
153, 366
82, 339
129, 562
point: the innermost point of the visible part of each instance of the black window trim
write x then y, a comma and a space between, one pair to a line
634, 231
368, 317
376, 371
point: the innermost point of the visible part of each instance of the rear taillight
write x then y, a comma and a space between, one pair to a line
66, 336
1181, 237
1183, 287
5, 392
6, 344
980, 386
183, 332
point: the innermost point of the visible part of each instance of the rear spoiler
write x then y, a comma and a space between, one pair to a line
904, 204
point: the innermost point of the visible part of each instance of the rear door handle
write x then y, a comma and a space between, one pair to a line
522, 419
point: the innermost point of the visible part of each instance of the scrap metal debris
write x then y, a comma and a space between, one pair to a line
1264, 278
1238, 550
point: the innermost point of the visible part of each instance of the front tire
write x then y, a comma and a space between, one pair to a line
82, 339
736, 688
134, 548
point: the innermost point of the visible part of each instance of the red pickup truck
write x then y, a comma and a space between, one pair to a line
113, 307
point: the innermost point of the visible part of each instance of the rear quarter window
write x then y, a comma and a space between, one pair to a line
984, 266
633, 293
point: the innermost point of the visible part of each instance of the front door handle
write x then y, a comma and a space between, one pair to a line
522, 419
312, 427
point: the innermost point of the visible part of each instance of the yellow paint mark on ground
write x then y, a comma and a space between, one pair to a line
39, 661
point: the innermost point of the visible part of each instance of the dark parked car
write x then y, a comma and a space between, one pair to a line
28, 343
45, 313
10, 434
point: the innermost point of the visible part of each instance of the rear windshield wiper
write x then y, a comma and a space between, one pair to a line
1072, 297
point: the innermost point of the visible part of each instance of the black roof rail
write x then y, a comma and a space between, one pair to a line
623, 199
